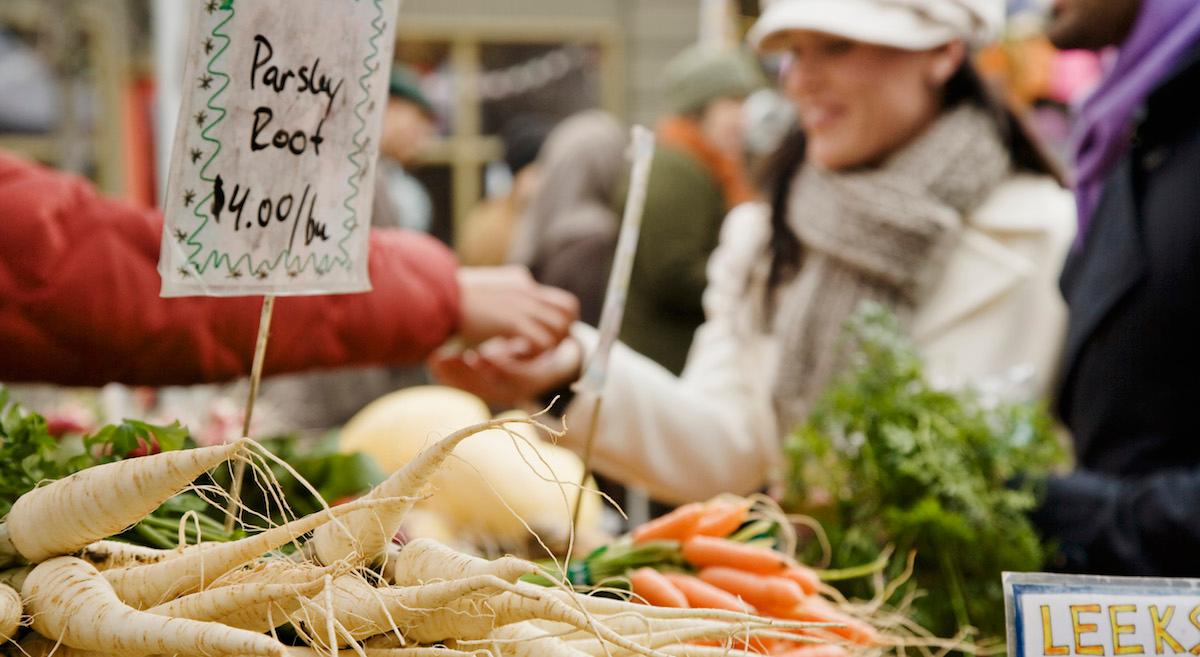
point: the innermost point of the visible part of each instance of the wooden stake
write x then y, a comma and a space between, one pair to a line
596, 372
260, 352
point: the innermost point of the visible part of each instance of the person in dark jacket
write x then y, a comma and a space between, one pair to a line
697, 176
1130, 380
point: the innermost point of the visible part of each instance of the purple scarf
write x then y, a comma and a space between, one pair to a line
1164, 32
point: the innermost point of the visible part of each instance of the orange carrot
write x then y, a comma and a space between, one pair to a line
651, 586
759, 590
818, 610
806, 577
811, 650
706, 596
721, 519
705, 551
676, 525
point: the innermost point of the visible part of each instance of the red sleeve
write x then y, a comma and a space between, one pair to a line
79, 300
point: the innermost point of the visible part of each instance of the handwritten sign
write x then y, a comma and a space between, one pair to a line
1066, 616
273, 170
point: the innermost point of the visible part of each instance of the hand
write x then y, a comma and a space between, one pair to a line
497, 373
507, 302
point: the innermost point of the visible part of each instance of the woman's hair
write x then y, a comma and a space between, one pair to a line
965, 86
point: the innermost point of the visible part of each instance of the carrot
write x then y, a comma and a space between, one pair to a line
814, 650
10, 612
200, 565
762, 591
703, 551
68, 599
676, 525
101, 501
804, 576
702, 594
651, 586
721, 519
423, 560
369, 534
817, 610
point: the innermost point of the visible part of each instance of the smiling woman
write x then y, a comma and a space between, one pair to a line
908, 187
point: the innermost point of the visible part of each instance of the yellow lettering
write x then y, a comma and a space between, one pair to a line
1048, 647
1084, 628
1195, 618
1160, 630
1118, 630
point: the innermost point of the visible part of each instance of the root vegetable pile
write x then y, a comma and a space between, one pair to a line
69, 590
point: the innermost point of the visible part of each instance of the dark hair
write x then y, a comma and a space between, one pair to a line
965, 86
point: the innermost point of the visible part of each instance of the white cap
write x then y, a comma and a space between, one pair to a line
904, 24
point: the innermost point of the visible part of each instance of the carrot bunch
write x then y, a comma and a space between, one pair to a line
737, 576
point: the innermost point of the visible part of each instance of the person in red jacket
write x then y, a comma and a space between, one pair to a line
80, 305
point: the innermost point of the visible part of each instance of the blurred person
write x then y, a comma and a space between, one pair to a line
1129, 382
569, 233
698, 174
80, 304
409, 127
909, 186
489, 228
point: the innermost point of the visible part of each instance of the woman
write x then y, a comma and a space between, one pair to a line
911, 188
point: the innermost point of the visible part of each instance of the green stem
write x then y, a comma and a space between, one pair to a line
957, 599
854, 572
153, 537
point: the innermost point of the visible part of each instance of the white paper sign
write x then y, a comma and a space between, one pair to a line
273, 170
1067, 616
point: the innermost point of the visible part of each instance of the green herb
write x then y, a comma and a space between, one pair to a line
886, 459
30, 456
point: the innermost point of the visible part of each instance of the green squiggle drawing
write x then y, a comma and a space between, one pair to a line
370, 67
245, 263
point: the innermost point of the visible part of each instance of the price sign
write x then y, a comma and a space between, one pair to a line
1068, 616
273, 168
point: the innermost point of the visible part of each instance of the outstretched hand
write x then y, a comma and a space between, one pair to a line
507, 302
499, 372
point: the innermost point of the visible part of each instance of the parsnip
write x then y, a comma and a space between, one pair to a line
425, 560
10, 612
67, 515
254, 607
67, 598
200, 565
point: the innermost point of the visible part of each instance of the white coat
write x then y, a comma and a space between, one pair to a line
713, 429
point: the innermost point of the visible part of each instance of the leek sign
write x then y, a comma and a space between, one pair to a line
1066, 616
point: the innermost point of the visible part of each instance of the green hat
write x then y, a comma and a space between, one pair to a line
697, 76
405, 84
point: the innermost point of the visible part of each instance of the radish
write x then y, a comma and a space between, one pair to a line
10, 612
68, 598
101, 501
200, 565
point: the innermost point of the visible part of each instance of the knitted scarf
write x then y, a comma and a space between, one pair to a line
882, 234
